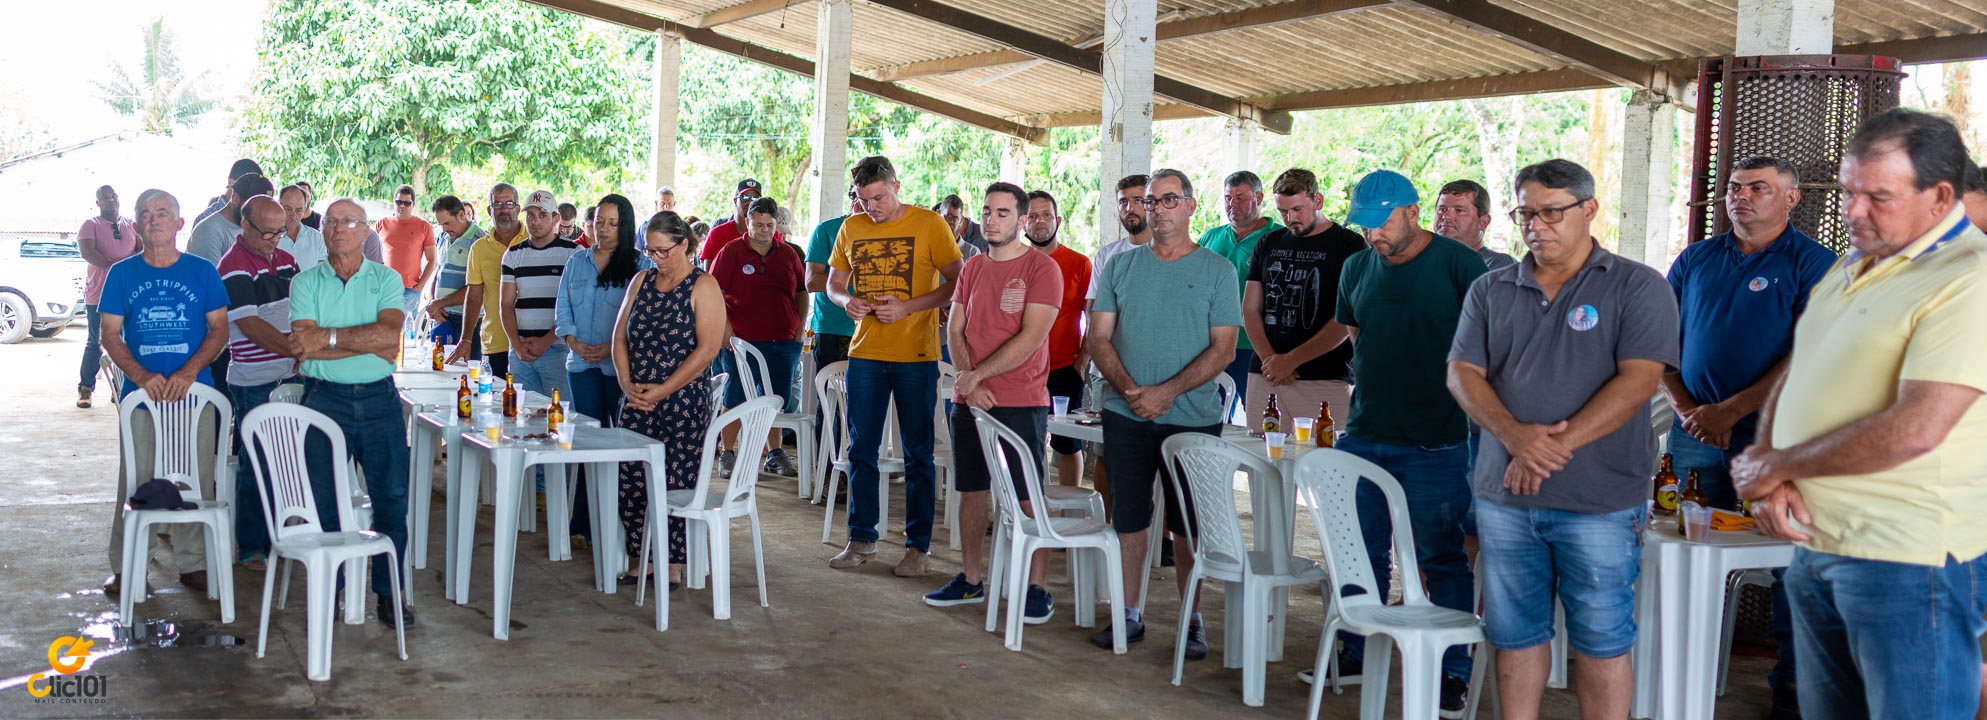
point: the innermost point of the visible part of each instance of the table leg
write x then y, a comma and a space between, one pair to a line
452, 489
503, 556
1691, 610
464, 533
420, 493
558, 513
1643, 656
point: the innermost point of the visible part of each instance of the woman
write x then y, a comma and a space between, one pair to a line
670, 328
590, 293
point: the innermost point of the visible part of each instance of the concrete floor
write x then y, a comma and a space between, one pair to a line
833, 644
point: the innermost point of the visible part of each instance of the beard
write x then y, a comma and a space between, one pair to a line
1133, 225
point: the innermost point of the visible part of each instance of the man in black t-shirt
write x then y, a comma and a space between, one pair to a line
1288, 306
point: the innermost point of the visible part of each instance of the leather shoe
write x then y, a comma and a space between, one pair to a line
854, 555
914, 564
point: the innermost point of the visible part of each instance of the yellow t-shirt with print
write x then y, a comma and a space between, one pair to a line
900, 258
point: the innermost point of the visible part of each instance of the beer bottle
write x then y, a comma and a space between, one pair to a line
439, 357
510, 397
1272, 417
1665, 483
1323, 434
554, 414
462, 399
1691, 493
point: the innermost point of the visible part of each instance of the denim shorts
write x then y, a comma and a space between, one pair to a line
1593, 559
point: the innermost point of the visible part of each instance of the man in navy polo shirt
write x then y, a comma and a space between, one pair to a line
1739, 294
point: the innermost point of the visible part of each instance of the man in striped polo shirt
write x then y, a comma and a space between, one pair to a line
257, 276
531, 292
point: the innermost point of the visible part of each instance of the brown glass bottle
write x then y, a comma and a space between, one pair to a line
554, 415
1664, 488
510, 397
1324, 433
1691, 493
439, 358
1272, 416
462, 397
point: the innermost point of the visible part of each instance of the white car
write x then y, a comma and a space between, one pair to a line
41, 287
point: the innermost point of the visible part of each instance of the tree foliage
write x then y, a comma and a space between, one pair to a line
158, 93
363, 95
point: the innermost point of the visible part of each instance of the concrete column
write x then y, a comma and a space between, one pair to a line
829, 135
662, 135
1014, 162
1648, 179
1786, 27
1238, 147
1127, 127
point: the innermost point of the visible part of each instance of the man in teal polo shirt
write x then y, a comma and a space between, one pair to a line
345, 317
1236, 241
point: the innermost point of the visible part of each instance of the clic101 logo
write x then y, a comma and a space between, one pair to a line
67, 656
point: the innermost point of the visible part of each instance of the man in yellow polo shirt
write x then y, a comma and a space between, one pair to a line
482, 296
893, 266
1871, 451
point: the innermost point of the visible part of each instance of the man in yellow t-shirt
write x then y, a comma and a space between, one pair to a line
485, 278
1869, 453
892, 268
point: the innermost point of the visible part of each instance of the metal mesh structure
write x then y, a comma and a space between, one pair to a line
1798, 108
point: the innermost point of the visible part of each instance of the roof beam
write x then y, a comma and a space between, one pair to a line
1086, 60
741, 11
1480, 87
1092, 118
800, 66
1541, 37
947, 66
1951, 48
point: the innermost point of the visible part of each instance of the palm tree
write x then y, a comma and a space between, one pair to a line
159, 94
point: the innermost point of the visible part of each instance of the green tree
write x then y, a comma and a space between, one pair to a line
364, 95
159, 93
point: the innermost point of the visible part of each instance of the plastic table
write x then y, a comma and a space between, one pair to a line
1679, 606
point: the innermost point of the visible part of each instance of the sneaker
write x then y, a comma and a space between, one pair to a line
1786, 703
385, 609
914, 564
1039, 606
1348, 667
83, 397
957, 592
855, 554
779, 463
1134, 632
1196, 648
725, 460
1455, 693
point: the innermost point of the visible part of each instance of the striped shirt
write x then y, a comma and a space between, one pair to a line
536, 271
257, 287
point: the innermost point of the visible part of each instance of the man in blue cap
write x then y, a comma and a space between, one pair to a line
1401, 298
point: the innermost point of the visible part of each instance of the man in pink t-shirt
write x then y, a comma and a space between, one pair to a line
409, 243
1002, 309
104, 240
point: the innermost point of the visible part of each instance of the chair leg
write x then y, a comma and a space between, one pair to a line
268, 589
951, 510
1021, 554
320, 585
996, 570
399, 624
1421, 680
1726, 630
283, 599
137, 551
1255, 642
1373, 686
1320, 669
657, 543
719, 532
220, 568
803, 444
1083, 583
828, 520
1483, 671
696, 558
642, 573
758, 551
1186, 618
1114, 583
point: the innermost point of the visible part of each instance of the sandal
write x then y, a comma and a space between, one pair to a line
255, 561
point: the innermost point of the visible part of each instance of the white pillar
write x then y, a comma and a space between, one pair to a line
1014, 162
1127, 127
830, 133
1786, 27
662, 136
1648, 178
1238, 147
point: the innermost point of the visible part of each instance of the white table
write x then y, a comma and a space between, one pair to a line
600, 448
434, 423
1680, 607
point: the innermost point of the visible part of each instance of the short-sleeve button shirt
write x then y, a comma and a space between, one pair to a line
320, 296
1738, 310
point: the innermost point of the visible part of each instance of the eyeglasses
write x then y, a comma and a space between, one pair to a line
504, 205
117, 231
250, 226
403, 203
657, 252
346, 223
1169, 201
1549, 215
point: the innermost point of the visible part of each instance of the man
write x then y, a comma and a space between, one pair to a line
303, 242
178, 319
733, 227
1162, 327
1138, 234
966, 252
1871, 443
241, 167
953, 209
1462, 213
1290, 302
893, 266
1976, 197
483, 299
569, 227
665, 199
459, 237
410, 250
1002, 310
531, 271
765, 286
1562, 481
103, 240
345, 321
1243, 198
313, 221
832, 327
1739, 295
1400, 299
213, 236
1066, 357
256, 274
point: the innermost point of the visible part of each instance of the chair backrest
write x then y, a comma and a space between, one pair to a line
273, 437
1209, 464
1224, 388
1328, 482
287, 393
719, 382
755, 419
176, 438
830, 386
996, 441
752, 370
948, 376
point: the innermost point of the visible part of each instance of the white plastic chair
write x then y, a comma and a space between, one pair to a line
1328, 482
713, 513
1221, 552
1224, 390
1733, 589
719, 383
832, 382
175, 457
1017, 536
287, 393
273, 437
801, 423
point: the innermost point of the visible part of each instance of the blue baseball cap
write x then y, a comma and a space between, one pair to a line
1376, 196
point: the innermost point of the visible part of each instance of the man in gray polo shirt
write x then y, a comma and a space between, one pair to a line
1560, 378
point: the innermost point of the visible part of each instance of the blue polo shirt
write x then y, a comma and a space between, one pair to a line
1738, 311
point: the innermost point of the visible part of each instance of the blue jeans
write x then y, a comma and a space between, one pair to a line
596, 395
376, 435
1887, 640
872, 384
251, 527
1238, 371
1714, 477
545, 374
92, 351
1589, 560
782, 359
1438, 495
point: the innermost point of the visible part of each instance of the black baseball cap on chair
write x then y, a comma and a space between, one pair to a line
159, 494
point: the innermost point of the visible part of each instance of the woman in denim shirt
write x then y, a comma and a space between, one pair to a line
590, 294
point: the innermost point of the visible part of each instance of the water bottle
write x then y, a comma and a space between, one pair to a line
483, 380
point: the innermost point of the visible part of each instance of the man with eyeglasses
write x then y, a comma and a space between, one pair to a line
531, 271
1243, 199
458, 239
256, 274
1556, 357
303, 242
732, 227
104, 239
410, 250
483, 299
1162, 327
1400, 299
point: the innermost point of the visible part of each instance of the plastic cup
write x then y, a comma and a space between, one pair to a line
1304, 427
1696, 522
1273, 442
1061, 405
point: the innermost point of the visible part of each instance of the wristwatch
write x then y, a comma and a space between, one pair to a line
334, 339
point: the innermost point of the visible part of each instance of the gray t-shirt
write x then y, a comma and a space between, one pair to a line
1165, 310
1494, 260
1546, 359
212, 237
